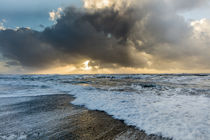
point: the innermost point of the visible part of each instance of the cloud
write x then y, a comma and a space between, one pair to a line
54, 15
112, 34
2, 24
100, 4
77, 35
186, 4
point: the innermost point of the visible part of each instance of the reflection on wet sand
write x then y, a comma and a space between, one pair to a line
53, 117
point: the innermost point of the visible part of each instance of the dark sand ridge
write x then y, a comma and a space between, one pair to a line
54, 118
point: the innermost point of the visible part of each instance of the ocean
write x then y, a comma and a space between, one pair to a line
174, 106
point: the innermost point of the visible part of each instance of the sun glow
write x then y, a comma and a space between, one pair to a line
86, 65
106, 2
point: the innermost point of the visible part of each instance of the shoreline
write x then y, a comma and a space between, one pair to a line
54, 117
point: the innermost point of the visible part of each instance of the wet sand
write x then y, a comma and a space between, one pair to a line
52, 117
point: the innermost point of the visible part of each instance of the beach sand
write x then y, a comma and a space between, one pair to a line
53, 117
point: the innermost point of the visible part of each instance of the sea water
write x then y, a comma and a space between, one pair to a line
174, 106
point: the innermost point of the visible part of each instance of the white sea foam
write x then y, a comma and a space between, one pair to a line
181, 117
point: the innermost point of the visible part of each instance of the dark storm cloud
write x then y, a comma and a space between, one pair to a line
109, 36
24, 46
100, 36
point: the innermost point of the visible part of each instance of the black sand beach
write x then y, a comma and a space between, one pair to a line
54, 118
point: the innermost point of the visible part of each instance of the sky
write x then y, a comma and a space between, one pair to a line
31, 13
104, 36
